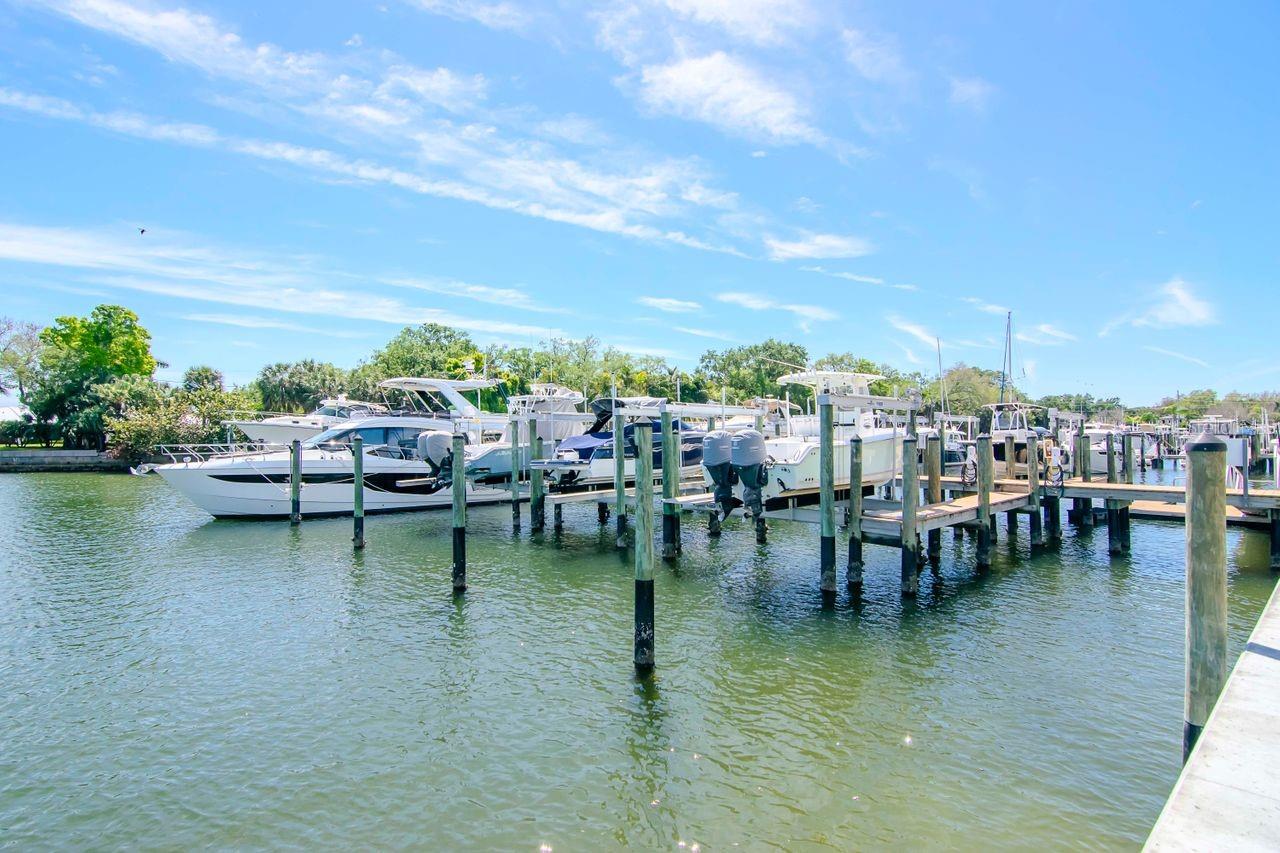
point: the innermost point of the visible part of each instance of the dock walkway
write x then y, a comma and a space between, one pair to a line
1227, 797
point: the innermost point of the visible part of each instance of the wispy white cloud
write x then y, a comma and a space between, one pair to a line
818, 246
704, 333
457, 146
973, 93
508, 297
1044, 334
250, 321
875, 58
763, 22
805, 314
908, 354
1173, 304
671, 306
1181, 356
847, 276
915, 330
983, 305
495, 15
193, 271
728, 94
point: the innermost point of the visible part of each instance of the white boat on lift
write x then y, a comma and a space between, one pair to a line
277, 428
586, 460
233, 481
792, 459
555, 410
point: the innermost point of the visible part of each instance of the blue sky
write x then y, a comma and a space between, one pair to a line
668, 175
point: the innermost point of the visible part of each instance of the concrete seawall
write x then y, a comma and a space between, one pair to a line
40, 459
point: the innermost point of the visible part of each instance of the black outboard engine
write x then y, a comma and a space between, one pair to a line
436, 449
748, 456
717, 458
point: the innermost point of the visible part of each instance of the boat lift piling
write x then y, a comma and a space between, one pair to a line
458, 488
910, 538
357, 478
1206, 627
295, 482
620, 471
1084, 457
517, 459
827, 501
986, 526
1033, 489
933, 473
1126, 454
853, 572
672, 457
644, 626
1114, 546
537, 492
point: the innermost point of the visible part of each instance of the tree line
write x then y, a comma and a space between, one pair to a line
90, 381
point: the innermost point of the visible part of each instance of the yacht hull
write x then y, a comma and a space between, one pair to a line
258, 487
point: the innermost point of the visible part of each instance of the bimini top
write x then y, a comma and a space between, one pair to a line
832, 381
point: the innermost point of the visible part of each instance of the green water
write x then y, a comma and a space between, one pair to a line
171, 681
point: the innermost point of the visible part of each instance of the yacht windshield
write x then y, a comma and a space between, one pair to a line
334, 437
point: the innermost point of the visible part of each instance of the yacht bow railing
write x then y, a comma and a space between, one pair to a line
205, 452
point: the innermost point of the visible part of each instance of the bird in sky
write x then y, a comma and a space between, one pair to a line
142, 231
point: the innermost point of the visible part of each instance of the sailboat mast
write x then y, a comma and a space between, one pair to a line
1007, 364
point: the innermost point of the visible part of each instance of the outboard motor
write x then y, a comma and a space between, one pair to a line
436, 449
717, 458
748, 455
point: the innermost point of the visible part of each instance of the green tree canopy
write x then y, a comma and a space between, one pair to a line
79, 354
202, 376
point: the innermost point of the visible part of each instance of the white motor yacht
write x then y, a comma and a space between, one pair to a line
234, 481
275, 428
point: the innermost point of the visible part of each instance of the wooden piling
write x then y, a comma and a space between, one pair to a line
986, 477
537, 490
1273, 526
1010, 458
853, 572
557, 518
1114, 545
458, 488
670, 489
295, 482
827, 501
357, 480
1126, 453
644, 659
1033, 489
1206, 637
1084, 454
517, 465
910, 538
620, 473
933, 472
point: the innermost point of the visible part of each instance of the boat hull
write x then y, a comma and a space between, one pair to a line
258, 487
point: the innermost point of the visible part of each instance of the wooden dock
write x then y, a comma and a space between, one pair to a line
1226, 797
